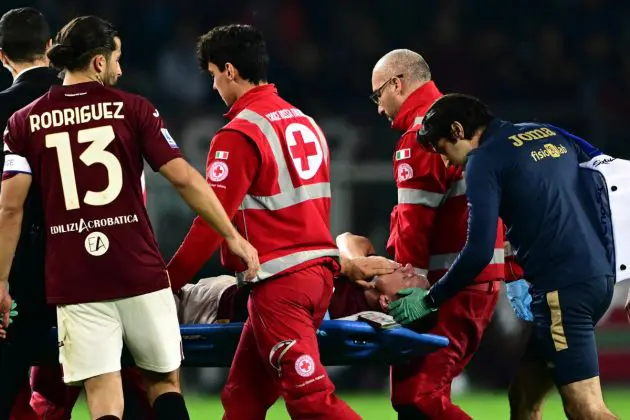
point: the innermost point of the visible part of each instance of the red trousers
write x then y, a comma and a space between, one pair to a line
278, 352
51, 399
424, 385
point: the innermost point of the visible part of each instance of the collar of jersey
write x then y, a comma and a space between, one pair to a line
250, 96
490, 130
416, 105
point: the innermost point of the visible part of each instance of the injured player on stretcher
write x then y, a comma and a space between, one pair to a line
217, 300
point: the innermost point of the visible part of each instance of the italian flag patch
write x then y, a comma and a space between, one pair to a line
403, 154
221, 155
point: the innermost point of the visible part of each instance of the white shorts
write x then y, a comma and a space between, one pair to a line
91, 335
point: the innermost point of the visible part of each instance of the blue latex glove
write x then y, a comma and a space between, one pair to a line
521, 300
411, 307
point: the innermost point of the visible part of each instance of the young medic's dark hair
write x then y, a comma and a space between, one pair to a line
241, 45
80, 40
24, 34
469, 111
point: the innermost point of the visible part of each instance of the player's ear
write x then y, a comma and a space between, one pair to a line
99, 63
5, 61
457, 131
49, 44
230, 72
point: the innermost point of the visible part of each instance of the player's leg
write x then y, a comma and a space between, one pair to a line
564, 324
285, 313
250, 390
51, 399
530, 385
137, 406
90, 345
422, 387
153, 338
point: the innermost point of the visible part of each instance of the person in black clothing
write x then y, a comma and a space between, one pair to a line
24, 38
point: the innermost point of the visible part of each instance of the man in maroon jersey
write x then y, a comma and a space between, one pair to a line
82, 146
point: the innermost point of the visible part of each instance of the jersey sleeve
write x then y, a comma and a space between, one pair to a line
14, 151
483, 189
421, 185
232, 166
158, 147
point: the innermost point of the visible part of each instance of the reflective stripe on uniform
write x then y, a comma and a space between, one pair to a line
416, 196
288, 199
322, 139
444, 261
289, 195
428, 198
457, 189
278, 265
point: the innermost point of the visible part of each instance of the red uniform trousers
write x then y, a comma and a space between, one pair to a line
421, 389
278, 352
51, 399
21, 409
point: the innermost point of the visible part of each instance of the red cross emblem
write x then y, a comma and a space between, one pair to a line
218, 171
302, 150
305, 149
405, 172
305, 366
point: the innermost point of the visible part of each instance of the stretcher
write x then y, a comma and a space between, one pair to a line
340, 342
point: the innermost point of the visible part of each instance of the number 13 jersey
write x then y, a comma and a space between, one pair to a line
84, 146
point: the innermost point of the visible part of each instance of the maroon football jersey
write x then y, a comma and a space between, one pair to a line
84, 145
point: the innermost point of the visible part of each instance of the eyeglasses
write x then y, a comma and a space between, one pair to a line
376, 95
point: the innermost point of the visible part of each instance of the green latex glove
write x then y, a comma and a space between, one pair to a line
13, 312
411, 307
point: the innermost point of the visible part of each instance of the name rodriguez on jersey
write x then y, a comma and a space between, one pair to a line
76, 115
85, 226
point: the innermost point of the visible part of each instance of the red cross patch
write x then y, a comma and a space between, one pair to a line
218, 171
404, 172
305, 366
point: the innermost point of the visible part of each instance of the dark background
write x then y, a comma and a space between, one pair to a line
559, 61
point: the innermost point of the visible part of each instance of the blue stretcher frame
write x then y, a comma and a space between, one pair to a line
341, 343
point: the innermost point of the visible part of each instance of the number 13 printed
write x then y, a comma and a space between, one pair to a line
100, 138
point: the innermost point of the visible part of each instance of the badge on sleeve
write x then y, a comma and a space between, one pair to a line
403, 154
305, 366
218, 171
221, 155
404, 172
169, 139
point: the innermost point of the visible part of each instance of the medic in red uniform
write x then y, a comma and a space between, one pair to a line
269, 166
428, 229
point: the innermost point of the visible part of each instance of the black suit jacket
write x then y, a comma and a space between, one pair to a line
27, 273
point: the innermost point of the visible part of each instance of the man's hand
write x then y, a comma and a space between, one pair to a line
411, 307
362, 268
6, 304
243, 249
520, 299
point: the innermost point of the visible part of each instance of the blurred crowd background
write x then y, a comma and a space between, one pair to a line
559, 61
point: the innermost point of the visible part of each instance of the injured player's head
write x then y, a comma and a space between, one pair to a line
387, 286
